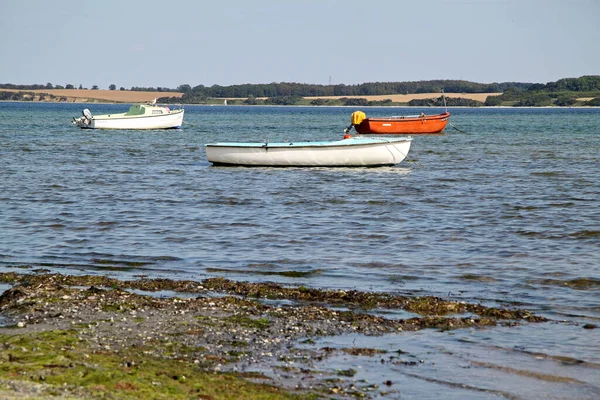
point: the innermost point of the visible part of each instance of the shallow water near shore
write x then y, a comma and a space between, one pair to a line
506, 214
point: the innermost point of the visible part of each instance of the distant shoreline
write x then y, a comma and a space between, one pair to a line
98, 96
87, 96
127, 96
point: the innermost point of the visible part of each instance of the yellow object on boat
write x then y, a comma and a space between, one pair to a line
357, 117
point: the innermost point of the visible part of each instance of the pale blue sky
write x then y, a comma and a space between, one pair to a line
169, 43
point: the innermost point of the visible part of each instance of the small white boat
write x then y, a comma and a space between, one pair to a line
348, 152
139, 116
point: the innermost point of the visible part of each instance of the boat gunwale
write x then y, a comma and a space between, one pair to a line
311, 145
409, 118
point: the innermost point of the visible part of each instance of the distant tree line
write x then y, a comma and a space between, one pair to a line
27, 96
16, 96
38, 87
151, 89
564, 92
70, 86
514, 93
448, 101
25, 87
582, 84
283, 89
586, 83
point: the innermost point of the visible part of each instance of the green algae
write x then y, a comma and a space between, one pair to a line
361, 351
247, 322
113, 365
346, 372
65, 363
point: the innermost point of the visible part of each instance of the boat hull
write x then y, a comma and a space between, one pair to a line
353, 152
170, 120
404, 125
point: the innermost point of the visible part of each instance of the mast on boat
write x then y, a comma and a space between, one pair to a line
444, 99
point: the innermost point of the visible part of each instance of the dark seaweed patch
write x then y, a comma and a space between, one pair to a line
289, 274
577, 283
477, 278
586, 234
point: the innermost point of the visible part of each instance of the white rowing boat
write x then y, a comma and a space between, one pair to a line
350, 152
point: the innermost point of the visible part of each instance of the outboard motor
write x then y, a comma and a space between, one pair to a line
355, 119
85, 120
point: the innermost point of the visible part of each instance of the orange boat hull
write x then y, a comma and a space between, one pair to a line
409, 125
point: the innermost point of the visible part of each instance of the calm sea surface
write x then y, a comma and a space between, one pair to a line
506, 214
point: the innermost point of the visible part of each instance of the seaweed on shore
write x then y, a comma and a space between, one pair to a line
423, 305
74, 332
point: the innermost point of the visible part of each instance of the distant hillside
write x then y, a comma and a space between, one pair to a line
580, 91
285, 89
84, 95
565, 92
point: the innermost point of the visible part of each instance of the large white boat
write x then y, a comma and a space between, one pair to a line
139, 116
348, 152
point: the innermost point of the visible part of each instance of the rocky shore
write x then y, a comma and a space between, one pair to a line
91, 337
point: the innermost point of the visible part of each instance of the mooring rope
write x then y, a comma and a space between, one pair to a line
456, 127
405, 155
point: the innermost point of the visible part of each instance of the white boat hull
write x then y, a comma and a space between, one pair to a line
354, 152
144, 117
167, 121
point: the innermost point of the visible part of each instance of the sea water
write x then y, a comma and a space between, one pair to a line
503, 209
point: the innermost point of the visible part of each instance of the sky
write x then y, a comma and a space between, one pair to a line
162, 43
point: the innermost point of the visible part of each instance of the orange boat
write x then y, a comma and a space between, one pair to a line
409, 124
